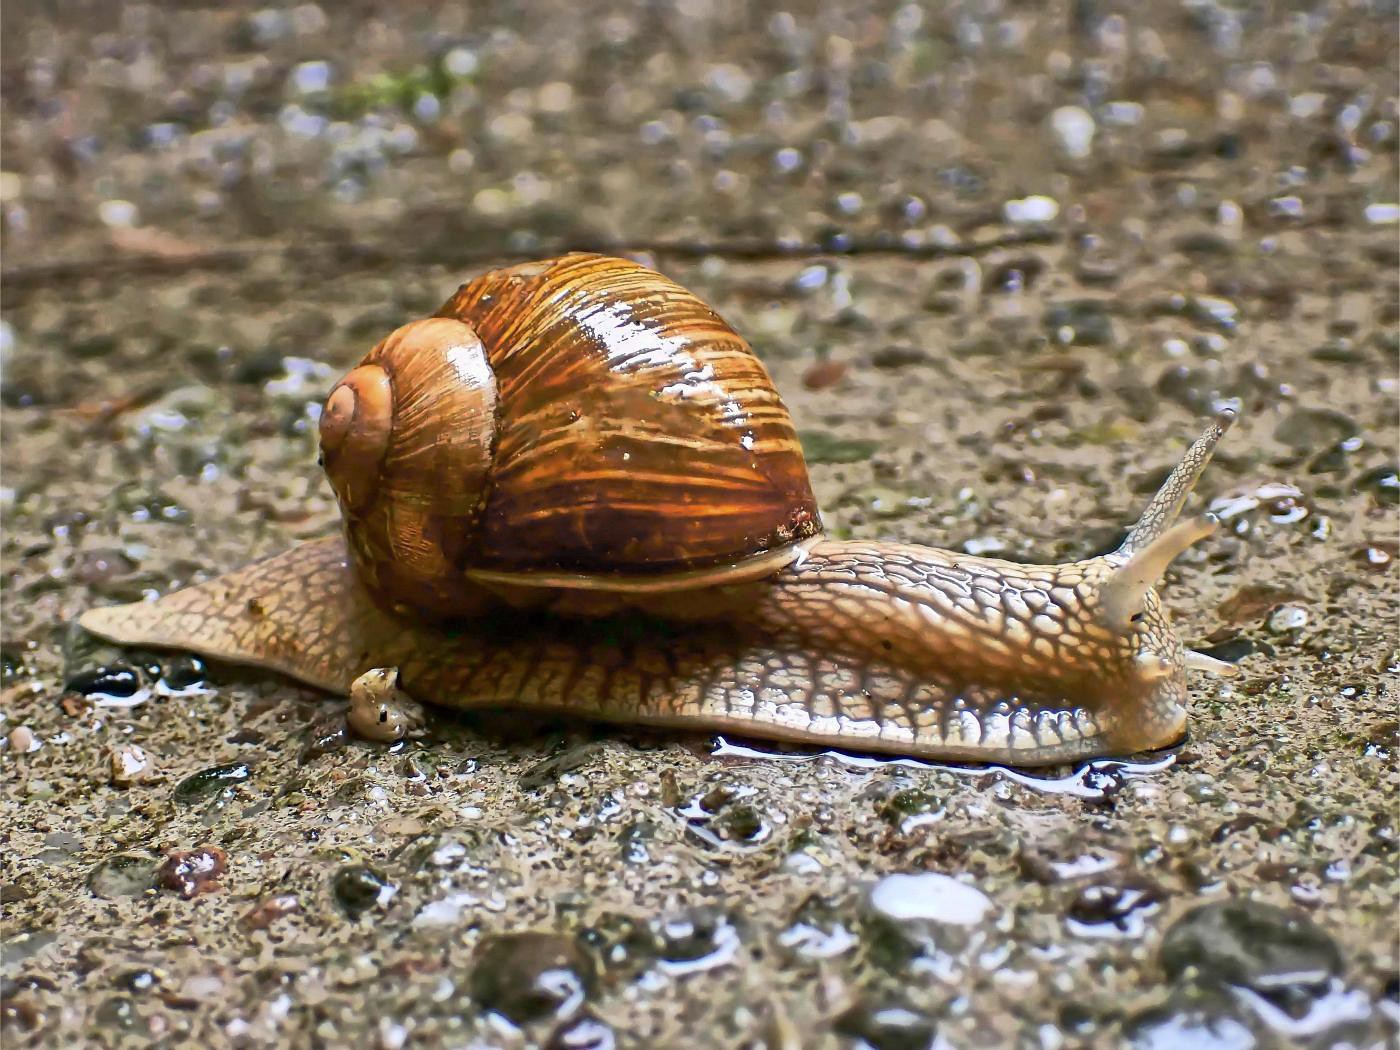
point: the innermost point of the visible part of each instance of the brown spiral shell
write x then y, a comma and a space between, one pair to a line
577, 417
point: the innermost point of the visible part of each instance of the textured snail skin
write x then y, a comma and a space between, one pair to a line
872, 646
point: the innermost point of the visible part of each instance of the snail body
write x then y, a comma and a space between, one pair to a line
575, 489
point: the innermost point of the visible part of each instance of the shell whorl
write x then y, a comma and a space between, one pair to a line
356, 424
407, 440
638, 433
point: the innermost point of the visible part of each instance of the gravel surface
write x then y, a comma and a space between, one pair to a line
1001, 259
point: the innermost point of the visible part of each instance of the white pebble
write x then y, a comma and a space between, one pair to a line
1383, 214
940, 898
129, 765
1288, 618
460, 62
311, 78
118, 213
1074, 130
1031, 209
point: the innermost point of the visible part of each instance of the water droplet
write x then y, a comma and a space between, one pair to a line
123, 875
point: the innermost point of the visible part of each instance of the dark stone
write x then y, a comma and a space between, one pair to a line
119, 1013
529, 976
699, 939
92, 346
1015, 275
1117, 908
1189, 1020
138, 980
545, 773
898, 356
1313, 429
622, 943
821, 447
358, 888
1083, 322
1231, 651
183, 672
115, 680
100, 566
211, 781
888, 1026
1383, 483
1254, 945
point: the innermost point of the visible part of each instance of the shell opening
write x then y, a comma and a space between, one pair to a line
355, 425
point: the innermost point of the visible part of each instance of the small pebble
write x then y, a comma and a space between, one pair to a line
358, 888
23, 741
1028, 210
123, 875
129, 765
311, 78
270, 909
1074, 131
532, 975
885, 1026
931, 896
1288, 618
118, 214
192, 872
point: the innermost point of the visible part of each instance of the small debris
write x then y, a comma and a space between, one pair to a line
1288, 618
192, 872
270, 909
129, 765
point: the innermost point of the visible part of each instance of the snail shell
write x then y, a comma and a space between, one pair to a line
583, 423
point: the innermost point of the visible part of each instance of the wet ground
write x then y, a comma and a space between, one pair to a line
1001, 262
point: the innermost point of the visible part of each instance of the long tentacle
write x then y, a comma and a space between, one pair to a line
1165, 507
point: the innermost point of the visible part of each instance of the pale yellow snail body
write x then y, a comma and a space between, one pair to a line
576, 490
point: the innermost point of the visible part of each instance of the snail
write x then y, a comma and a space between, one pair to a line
575, 489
